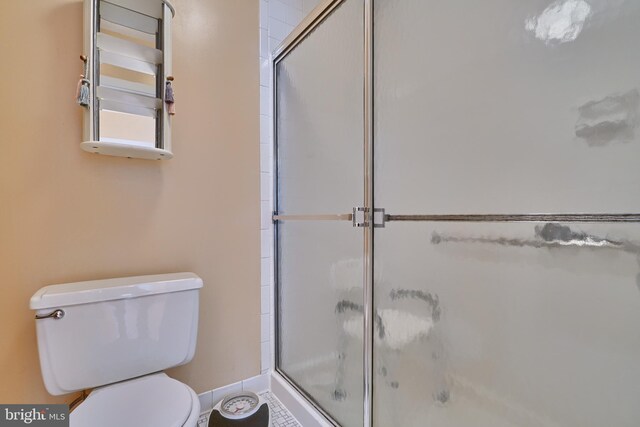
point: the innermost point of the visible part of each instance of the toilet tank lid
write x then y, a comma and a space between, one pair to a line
55, 296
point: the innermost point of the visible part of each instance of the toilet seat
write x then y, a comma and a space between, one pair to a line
154, 400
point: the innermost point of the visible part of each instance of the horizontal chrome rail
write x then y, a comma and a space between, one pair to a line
327, 217
518, 218
628, 218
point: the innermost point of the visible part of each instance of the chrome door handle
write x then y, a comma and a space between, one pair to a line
56, 314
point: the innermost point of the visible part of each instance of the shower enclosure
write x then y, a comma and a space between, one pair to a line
457, 217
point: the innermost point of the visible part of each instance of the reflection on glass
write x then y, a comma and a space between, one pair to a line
547, 235
560, 22
611, 119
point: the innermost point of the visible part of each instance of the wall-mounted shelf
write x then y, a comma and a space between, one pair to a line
124, 148
128, 75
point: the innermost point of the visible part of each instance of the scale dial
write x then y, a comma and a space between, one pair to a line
240, 405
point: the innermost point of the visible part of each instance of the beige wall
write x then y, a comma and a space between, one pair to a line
67, 215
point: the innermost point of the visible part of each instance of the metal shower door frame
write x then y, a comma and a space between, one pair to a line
312, 21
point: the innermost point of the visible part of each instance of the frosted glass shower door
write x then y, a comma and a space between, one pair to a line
319, 252
506, 159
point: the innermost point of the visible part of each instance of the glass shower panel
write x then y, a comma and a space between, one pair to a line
507, 324
319, 267
505, 106
319, 121
320, 314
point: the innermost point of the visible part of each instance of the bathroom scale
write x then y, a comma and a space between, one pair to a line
243, 409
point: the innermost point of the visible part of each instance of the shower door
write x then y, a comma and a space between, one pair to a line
318, 79
507, 156
502, 284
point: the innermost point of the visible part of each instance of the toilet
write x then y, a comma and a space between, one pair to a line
117, 336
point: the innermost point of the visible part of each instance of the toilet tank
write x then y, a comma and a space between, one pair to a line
105, 331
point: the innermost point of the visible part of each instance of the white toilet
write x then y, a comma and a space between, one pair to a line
117, 336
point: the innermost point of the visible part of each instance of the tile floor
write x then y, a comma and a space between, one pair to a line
280, 417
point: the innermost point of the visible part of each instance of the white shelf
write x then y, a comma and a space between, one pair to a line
130, 100
123, 148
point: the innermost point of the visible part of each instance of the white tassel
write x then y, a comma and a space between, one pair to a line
82, 95
168, 97
82, 91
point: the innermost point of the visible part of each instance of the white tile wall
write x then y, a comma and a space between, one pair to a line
277, 19
265, 129
265, 331
257, 384
265, 106
266, 271
296, 4
282, 12
265, 295
266, 356
264, 40
265, 186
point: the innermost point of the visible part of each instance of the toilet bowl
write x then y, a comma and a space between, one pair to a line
117, 336
152, 400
